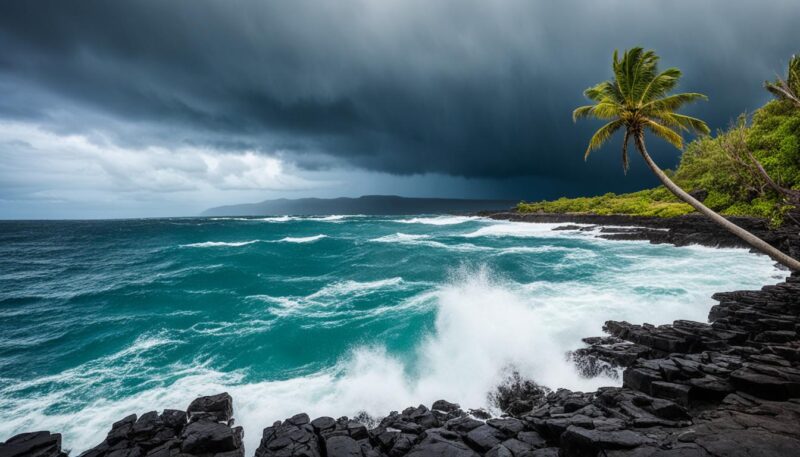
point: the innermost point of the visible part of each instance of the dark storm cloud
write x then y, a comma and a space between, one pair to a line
467, 88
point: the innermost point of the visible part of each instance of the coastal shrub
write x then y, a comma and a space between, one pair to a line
774, 138
650, 202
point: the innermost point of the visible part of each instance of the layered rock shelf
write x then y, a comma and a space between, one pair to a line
730, 387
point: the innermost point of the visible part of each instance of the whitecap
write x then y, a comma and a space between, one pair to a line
331, 218
399, 238
517, 229
424, 240
438, 220
302, 239
350, 287
216, 244
276, 219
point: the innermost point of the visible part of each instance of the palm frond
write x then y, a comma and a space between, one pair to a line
692, 124
671, 136
581, 112
660, 85
601, 136
637, 99
602, 110
606, 90
673, 102
789, 88
793, 76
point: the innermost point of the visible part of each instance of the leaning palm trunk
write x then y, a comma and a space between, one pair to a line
748, 237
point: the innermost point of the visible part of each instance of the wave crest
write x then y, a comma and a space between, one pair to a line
302, 239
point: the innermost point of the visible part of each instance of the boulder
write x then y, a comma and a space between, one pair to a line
213, 407
202, 437
33, 444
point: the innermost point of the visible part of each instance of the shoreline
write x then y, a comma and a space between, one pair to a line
727, 388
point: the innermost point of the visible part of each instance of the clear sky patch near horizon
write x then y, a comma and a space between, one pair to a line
150, 108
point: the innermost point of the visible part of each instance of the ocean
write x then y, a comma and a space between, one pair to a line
328, 315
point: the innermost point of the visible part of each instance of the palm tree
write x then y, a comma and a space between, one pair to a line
638, 100
789, 88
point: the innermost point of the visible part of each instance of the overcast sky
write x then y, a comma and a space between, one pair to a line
154, 108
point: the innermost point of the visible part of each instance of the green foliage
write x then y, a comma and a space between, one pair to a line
651, 202
787, 89
638, 99
707, 164
774, 139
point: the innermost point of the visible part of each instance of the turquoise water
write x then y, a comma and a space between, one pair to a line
100, 319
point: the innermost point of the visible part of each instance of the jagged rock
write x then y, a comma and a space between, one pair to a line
516, 395
446, 406
508, 425
323, 423
499, 451
203, 437
463, 424
402, 444
167, 434
578, 441
34, 444
342, 446
214, 407
532, 439
484, 438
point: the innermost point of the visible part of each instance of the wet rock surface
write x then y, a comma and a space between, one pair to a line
204, 430
730, 387
34, 444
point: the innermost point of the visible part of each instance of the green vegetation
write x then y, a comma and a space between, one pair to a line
638, 101
718, 166
651, 202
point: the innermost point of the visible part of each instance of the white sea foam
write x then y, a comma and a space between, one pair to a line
355, 287
438, 220
399, 238
302, 239
217, 244
328, 306
276, 219
425, 240
517, 229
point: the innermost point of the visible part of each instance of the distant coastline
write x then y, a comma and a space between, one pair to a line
373, 205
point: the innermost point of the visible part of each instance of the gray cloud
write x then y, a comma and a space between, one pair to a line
464, 88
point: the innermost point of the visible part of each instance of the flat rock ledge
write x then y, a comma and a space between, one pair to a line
730, 387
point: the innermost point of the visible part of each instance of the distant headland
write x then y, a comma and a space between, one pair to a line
366, 204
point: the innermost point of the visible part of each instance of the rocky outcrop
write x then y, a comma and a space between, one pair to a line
34, 444
204, 430
443, 430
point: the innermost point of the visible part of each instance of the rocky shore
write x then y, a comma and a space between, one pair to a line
730, 387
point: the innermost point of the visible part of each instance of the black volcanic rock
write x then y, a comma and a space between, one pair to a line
171, 433
34, 444
217, 408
